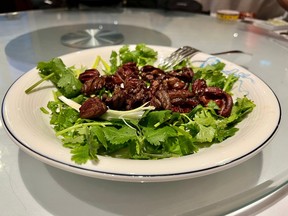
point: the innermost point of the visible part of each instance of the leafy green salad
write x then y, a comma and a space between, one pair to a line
143, 132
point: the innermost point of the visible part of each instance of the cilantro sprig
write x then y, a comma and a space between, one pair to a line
64, 78
214, 76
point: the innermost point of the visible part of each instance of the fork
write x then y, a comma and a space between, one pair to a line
186, 52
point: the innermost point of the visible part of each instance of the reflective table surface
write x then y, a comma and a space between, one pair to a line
29, 187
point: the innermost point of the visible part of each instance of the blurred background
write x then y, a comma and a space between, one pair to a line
261, 9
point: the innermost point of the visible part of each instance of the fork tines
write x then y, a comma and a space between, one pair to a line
178, 56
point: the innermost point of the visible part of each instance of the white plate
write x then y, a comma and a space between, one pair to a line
29, 128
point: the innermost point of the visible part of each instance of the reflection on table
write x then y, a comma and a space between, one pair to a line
29, 187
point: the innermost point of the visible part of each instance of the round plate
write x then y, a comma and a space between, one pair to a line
29, 128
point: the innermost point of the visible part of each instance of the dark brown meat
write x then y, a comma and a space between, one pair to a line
221, 98
92, 86
149, 73
199, 86
186, 74
137, 93
118, 100
127, 70
161, 100
130, 88
92, 108
88, 74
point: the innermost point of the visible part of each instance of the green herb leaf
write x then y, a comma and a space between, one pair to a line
157, 136
242, 107
63, 78
141, 55
214, 76
119, 136
81, 154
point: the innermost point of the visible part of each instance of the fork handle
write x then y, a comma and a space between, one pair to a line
227, 52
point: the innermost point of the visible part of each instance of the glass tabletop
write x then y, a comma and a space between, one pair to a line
30, 187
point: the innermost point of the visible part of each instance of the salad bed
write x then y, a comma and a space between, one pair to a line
147, 130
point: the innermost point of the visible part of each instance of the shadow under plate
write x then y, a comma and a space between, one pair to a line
72, 194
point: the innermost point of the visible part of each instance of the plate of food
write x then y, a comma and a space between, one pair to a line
113, 113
